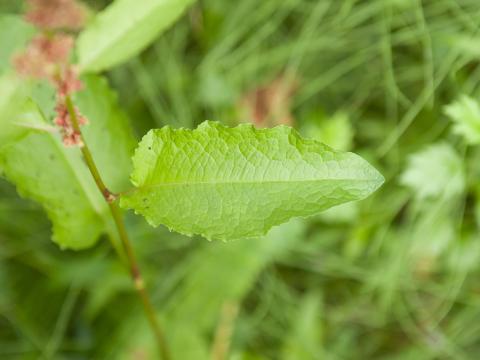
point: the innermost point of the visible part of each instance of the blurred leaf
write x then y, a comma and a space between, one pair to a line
12, 101
434, 172
344, 213
335, 131
465, 114
124, 29
231, 183
45, 171
14, 35
109, 133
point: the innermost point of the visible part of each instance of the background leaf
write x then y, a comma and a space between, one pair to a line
465, 114
230, 183
435, 171
12, 101
14, 35
123, 29
44, 170
109, 135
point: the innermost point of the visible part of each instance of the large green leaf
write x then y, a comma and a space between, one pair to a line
108, 135
229, 183
13, 92
14, 35
43, 170
123, 29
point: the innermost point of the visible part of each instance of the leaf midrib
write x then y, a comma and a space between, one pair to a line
252, 182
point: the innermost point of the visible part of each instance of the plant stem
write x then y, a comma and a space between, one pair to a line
110, 198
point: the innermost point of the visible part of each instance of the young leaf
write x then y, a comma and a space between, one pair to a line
335, 131
465, 113
434, 172
123, 29
230, 183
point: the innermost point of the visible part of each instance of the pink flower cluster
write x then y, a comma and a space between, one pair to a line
56, 14
63, 121
44, 55
47, 57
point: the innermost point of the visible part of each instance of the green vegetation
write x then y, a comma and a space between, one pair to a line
392, 276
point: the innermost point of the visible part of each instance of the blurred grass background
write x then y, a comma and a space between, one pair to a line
392, 277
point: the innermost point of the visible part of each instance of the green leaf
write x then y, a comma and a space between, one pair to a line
465, 114
230, 183
14, 35
108, 135
124, 29
12, 100
43, 170
18, 112
335, 131
434, 172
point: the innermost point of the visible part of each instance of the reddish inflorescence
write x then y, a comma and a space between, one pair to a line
56, 14
67, 81
47, 57
44, 55
270, 105
64, 123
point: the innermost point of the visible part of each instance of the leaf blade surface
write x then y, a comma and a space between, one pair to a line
124, 29
229, 183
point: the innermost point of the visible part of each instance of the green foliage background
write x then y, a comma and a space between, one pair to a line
391, 277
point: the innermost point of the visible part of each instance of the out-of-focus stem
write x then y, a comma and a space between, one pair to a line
110, 198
